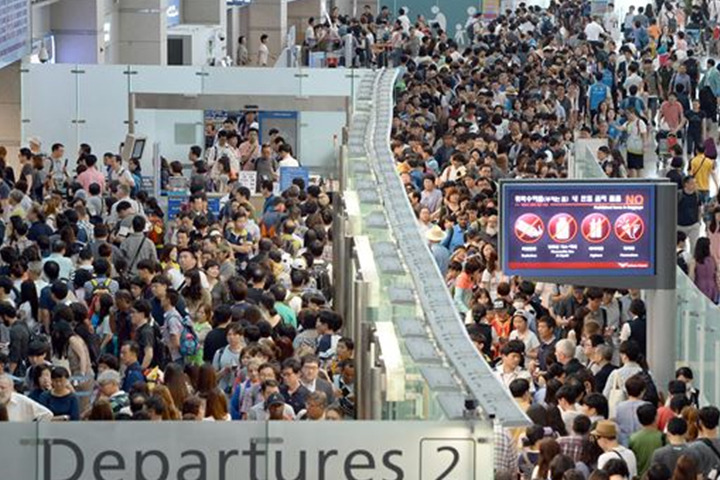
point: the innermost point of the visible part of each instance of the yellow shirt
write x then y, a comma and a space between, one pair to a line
701, 167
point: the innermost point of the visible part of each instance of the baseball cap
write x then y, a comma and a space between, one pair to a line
274, 399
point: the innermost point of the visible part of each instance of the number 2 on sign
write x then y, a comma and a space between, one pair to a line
453, 463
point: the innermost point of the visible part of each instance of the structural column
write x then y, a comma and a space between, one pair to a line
77, 27
267, 17
299, 12
143, 32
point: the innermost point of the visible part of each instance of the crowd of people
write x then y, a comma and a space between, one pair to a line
112, 310
511, 105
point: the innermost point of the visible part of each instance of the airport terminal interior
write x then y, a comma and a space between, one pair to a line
345, 240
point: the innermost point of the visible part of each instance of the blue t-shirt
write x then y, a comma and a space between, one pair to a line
67, 405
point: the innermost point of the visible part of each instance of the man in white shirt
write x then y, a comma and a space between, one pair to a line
263, 55
19, 407
404, 20
606, 434
594, 31
310, 32
286, 158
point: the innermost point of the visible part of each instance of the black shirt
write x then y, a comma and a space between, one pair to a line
297, 399
145, 337
694, 123
688, 209
601, 377
676, 176
214, 341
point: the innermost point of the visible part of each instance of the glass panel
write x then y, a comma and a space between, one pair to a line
166, 79
103, 128
49, 104
250, 81
330, 82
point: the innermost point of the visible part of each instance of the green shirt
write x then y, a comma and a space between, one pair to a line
643, 443
286, 313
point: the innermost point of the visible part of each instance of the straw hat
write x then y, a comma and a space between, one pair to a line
435, 234
605, 429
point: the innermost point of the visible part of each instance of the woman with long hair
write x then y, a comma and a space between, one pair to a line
101, 318
70, 350
703, 270
171, 411
29, 303
492, 276
196, 297
548, 449
174, 379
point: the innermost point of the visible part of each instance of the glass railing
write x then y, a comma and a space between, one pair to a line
698, 318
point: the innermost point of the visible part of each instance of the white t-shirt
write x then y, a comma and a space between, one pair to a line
593, 31
618, 452
263, 55
529, 339
288, 161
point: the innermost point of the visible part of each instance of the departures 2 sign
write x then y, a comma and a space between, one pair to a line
248, 450
578, 229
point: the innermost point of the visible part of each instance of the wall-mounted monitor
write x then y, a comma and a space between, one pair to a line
133, 147
600, 233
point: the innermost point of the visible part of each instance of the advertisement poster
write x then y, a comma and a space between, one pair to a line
575, 229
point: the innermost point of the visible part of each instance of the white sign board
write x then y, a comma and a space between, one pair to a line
249, 450
249, 180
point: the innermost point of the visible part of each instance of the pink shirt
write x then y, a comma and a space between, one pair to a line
90, 176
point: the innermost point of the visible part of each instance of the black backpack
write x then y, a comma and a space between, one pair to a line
682, 263
322, 280
651, 393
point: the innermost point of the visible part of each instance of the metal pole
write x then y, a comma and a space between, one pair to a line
362, 384
131, 113
662, 334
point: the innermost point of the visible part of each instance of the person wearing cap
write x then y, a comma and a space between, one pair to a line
440, 253
109, 382
605, 435
270, 397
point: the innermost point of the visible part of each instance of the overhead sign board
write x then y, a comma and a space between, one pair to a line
258, 451
569, 229
15, 31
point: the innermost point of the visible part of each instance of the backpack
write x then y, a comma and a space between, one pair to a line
97, 290
320, 274
682, 263
159, 357
189, 342
651, 393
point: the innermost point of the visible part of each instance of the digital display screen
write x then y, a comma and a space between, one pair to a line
138, 148
15, 31
570, 229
